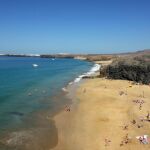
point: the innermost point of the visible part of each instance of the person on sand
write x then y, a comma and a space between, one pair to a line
125, 127
140, 107
133, 121
107, 142
139, 126
67, 108
84, 90
125, 140
143, 139
148, 116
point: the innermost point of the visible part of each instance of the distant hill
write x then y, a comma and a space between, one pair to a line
89, 57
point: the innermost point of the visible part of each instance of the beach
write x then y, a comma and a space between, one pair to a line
105, 114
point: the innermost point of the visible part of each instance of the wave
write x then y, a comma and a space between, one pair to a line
64, 89
92, 71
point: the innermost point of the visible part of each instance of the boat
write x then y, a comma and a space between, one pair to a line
35, 65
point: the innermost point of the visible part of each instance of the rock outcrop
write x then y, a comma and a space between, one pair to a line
130, 68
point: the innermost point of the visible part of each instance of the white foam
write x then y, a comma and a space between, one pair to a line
94, 69
70, 83
77, 79
64, 89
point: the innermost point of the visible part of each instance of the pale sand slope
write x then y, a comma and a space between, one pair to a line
100, 113
104, 63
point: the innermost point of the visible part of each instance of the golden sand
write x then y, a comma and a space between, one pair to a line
101, 117
104, 63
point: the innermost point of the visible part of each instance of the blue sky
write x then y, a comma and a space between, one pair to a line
74, 26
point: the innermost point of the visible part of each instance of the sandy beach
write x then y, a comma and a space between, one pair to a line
104, 115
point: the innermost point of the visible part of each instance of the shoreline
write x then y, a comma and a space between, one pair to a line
98, 112
40, 124
71, 89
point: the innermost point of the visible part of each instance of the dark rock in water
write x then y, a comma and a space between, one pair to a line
88, 77
16, 113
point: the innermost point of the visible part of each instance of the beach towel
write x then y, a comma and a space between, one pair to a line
143, 139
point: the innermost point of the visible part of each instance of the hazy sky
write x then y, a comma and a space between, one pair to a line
74, 26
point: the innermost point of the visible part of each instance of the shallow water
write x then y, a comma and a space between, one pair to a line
29, 97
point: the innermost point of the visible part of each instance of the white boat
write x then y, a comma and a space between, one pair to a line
35, 65
53, 58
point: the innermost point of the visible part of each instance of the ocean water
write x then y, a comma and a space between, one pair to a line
30, 96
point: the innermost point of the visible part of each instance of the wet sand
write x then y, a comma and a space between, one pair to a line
101, 117
38, 131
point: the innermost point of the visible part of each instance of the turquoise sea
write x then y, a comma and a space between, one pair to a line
30, 96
